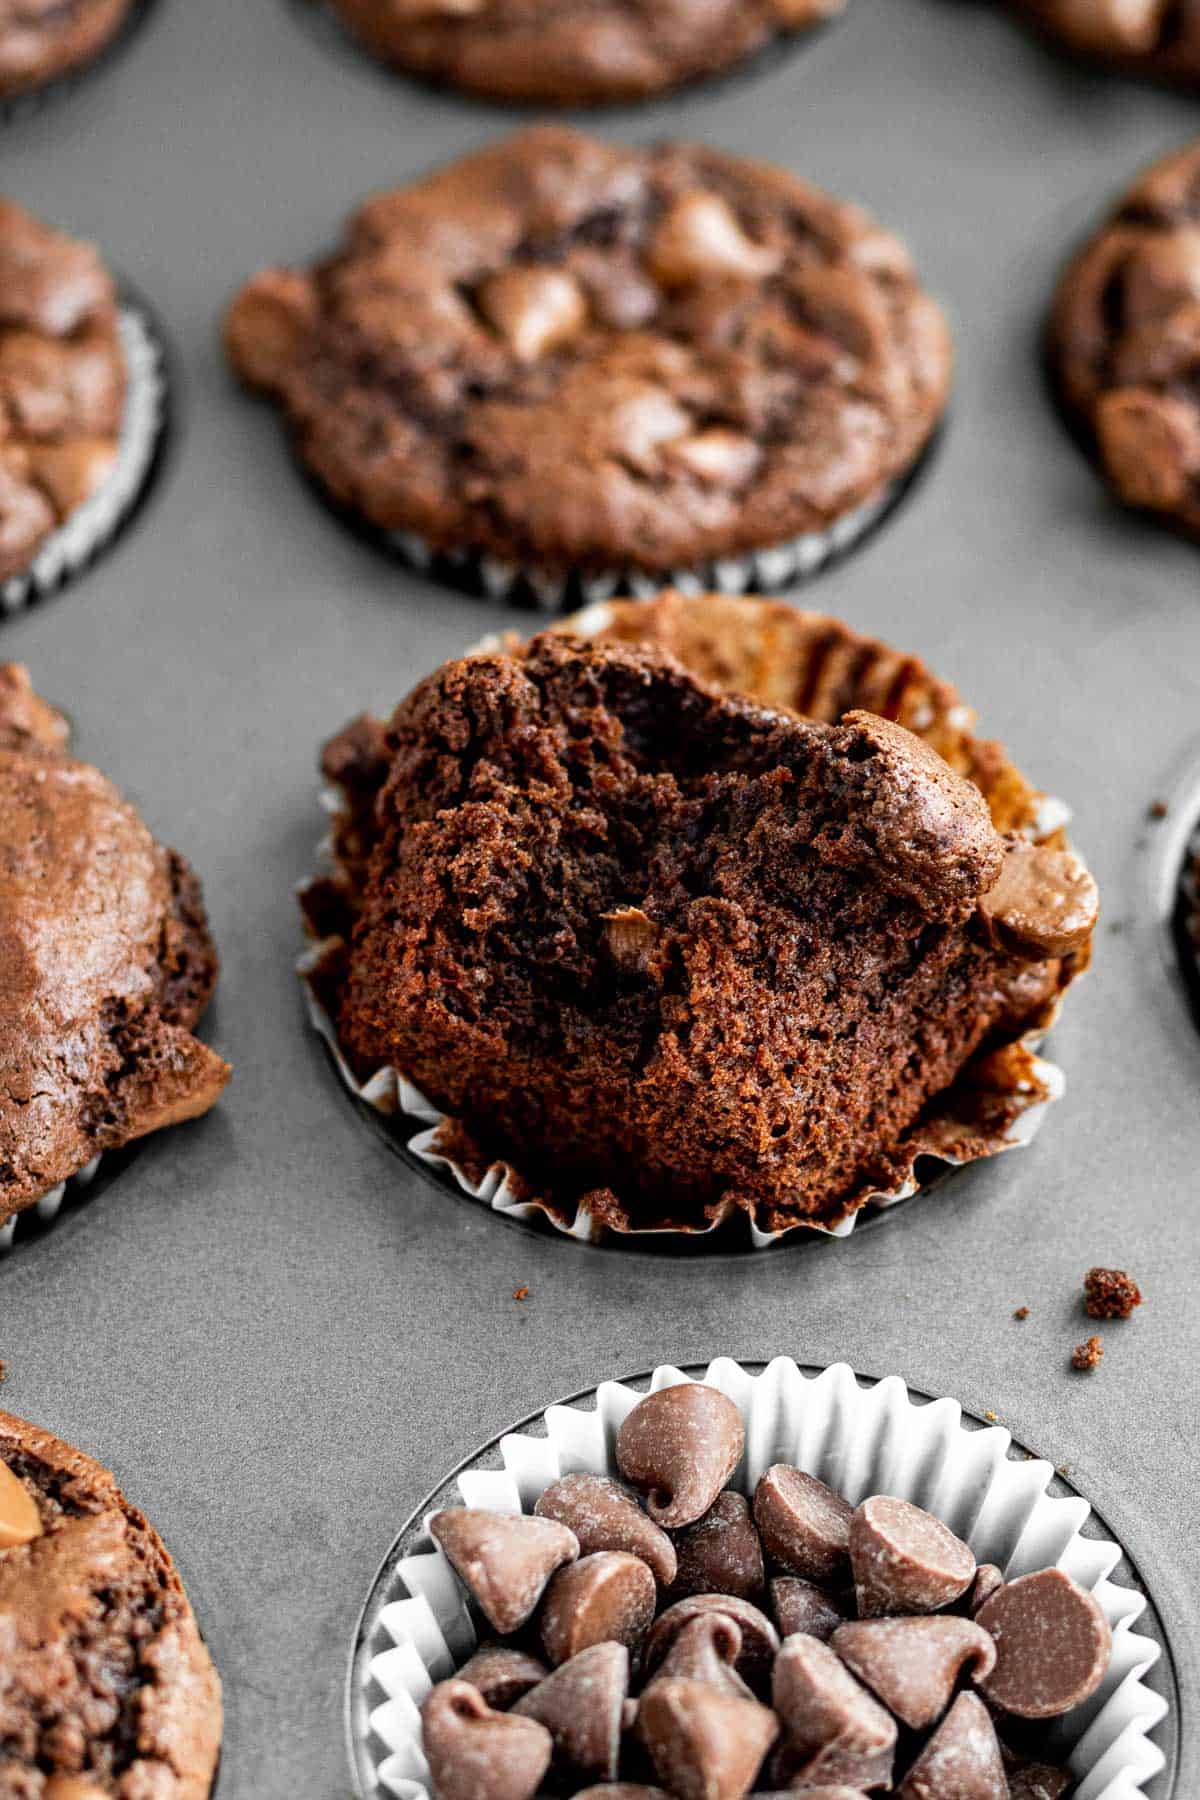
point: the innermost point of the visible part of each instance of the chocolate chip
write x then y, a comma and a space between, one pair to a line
606, 1597
20, 1521
800, 1605
502, 1675
1053, 1645
914, 1665
606, 1516
505, 1559
1045, 902
834, 1730
707, 1649
961, 1761
1036, 1781
477, 1754
705, 1744
582, 1706
804, 1525
760, 1640
720, 1553
987, 1579
679, 1447
905, 1560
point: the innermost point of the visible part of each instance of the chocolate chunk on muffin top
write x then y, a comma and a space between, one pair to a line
573, 52
62, 381
1125, 341
106, 1687
670, 950
106, 963
573, 356
42, 39
1159, 38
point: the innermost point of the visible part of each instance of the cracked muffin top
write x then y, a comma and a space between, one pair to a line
570, 355
667, 951
105, 1685
573, 52
105, 963
1125, 341
1159, 38
62, 381
42, 39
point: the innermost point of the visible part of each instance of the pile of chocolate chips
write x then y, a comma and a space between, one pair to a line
666, 1637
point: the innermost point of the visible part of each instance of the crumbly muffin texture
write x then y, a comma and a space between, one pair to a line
648, 941
62, 381
42, 39
1125, 341
570, 355
1160, 38
106, 1687
573, 52
106, 963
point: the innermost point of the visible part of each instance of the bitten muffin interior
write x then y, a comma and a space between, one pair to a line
654, 943
571, 355
105, 1685
106, 963
62, 382
573, 52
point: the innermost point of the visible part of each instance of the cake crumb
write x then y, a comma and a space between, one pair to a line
1086, 1357
1022, 1312
1110, 1294
1157, 809
991, 1417
521, 1293
3, 1371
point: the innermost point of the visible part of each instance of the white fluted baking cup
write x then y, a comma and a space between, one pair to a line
95, 524
417, 1627
47, 1208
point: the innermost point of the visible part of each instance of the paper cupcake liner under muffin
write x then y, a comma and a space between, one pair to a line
96, 524
1187, 914
1008, 1093
48, 1207
786, 565
417, 1628
32, 100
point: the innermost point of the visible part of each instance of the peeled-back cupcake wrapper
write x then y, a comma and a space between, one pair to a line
1027, 1092
861, 1441
47, 1208
95, 524
33, 100
763, 572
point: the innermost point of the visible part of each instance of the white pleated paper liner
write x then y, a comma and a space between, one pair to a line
96, 524
771, 570
417, 1627
32, 1218
336, 34
33, 100
1186, 920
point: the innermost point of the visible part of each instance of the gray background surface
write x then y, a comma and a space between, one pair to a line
279, 1335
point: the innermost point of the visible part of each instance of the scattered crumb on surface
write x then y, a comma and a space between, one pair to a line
1157, 809
521, 1293
1022, 1312
1110, 1294
991, 1417
1086, 1357
3, 1371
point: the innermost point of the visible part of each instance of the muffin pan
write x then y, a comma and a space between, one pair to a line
280, 1334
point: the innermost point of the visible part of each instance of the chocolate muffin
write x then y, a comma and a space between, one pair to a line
1124, 342
62, 382
1158, 38
106, 963
671, 952
42, 39
566, 356
573, 52
105, 1685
